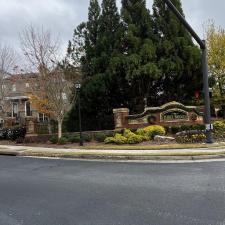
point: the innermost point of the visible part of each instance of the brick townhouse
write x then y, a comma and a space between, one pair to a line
16, 107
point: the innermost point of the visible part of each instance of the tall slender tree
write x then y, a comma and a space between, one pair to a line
139, 48
91, 38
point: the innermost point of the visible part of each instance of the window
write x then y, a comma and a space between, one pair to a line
13, 87
42, 118
15, 109
27, 108
1, 123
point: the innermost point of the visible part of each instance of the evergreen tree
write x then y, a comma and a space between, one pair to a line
139, 49
100, 64
91, 38
178, 58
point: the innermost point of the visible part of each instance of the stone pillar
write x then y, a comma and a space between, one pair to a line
120, 118
31, 125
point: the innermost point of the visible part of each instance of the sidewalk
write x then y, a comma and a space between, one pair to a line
164, 154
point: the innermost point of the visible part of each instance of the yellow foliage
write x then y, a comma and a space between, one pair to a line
215, 39
42, 105
151, 131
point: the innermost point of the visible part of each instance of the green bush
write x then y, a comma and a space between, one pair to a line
87, 137
4, 134
54, 139
219, 130
109, 140
13, 133
62, 141
190, 137
74, 139
219, 126
177, 129
100, 137
128, 137
151, 131
67, 136
133, 138
118, 139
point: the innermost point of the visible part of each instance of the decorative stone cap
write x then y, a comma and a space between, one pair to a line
121, 110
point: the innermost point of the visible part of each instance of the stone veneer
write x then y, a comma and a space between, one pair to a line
170, 114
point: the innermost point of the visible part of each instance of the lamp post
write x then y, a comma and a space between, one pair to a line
78, 87
202, 45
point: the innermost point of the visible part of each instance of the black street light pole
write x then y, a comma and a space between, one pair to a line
78, 87
204, 69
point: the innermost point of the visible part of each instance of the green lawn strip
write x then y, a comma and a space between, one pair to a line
97, 154
151, 147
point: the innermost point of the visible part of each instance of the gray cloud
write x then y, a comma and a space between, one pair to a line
62, 16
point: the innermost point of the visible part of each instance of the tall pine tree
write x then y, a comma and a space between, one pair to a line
139, 49
91, 38
178, 58
100, 65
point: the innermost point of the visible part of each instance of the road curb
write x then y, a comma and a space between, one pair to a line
9, 153
121, 157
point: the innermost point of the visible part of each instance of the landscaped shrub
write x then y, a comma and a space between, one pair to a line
13, 133
219, 126
109, 140
100, 137
118, 139
190, 137
67, 136
133, 138
4, 134
219, 130
87, 137
128, 137
74, 139
62, 141
151, 131
54, 139
177, 129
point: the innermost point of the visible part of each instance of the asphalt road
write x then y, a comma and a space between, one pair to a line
66, 192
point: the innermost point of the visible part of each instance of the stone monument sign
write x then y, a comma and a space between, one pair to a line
170, 114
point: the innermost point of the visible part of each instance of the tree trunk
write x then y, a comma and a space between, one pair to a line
49, 127
59, 129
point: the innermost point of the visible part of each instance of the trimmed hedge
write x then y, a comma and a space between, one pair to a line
74, 139
62, 140
87, 137
219, 130
190, 137
177, 129
118, 139
151, 131
100, 137
54, 139
128, 137
13, 133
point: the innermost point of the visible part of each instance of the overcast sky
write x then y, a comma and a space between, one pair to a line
61, 16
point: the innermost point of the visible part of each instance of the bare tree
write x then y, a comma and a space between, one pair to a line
55, 94
7, 65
